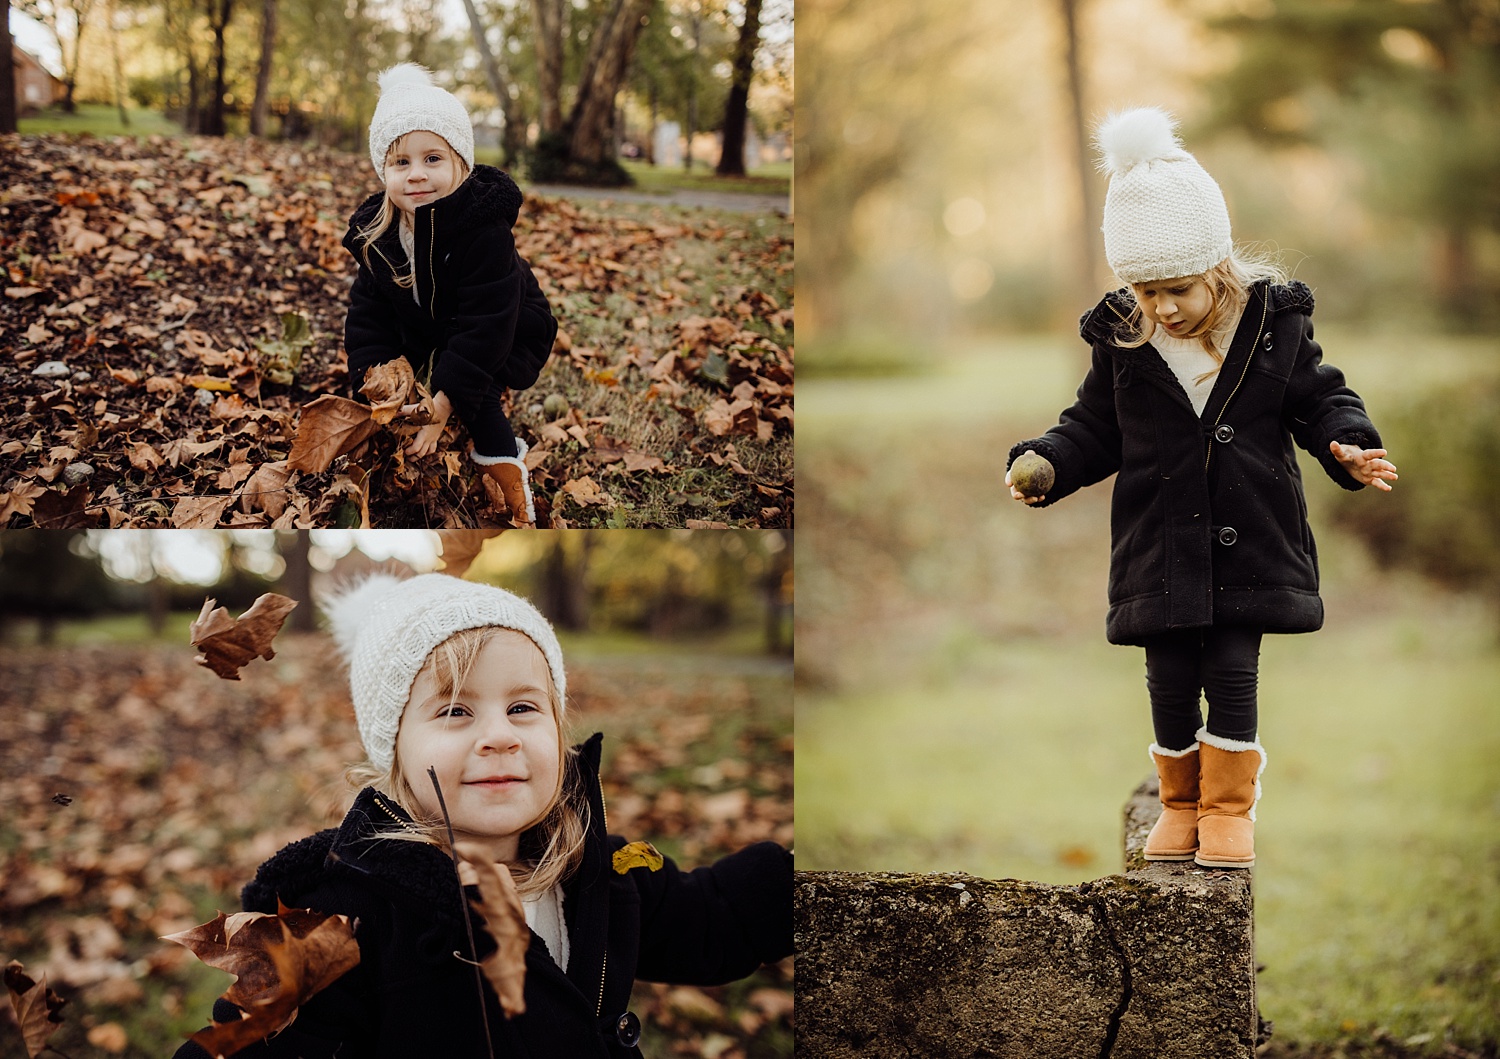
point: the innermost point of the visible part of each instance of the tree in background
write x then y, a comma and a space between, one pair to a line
737, 107
66, 20
262, 102
49, 575
7, 73
1409, 89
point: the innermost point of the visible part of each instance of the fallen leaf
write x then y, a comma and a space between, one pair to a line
199, 512
330, 427
279, 962
586, 491
388, 386
109, 1036
35, 1005
698, 523
459, 547
22, 292
228, 644
209, 382
266, 490
505, 921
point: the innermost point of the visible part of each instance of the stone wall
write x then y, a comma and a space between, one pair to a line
1157, 963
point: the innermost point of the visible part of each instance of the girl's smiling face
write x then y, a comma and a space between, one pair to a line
1176, 305
494, 740
420, 168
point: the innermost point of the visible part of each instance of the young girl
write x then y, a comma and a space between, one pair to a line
468, 679
1204, 372
440, 281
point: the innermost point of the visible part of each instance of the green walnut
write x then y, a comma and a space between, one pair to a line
555, 404
1032, 475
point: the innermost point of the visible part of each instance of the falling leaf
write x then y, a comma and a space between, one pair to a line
505, 921
110, 1037
229, 644
280, 962
461, 546
637, 855
330, 427
388, 386
35, 1005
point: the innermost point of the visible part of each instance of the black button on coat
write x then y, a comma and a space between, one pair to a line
1208, 525
410, 996
479, 312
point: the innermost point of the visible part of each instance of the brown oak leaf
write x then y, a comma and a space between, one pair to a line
229, 644
505, 921
35, 1005
266, 490
388, 386
329, 427
279, 962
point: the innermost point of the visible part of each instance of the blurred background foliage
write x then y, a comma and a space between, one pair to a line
958, 708
730, 589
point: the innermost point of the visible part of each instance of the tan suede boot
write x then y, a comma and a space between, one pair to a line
1174, 836
510, 475
1228, 788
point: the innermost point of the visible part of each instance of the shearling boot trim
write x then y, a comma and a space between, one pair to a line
1156, 748
490, 461
519, 461
1237, 746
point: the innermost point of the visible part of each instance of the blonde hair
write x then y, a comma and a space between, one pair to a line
1229, 284
552, 848
388, 213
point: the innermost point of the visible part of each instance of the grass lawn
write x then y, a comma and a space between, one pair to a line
100, 120
960, 709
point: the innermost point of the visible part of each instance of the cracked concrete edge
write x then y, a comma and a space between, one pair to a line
1158, 962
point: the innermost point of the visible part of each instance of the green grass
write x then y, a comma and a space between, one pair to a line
770, 180
99, 119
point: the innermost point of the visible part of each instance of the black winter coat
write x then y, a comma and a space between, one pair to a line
479, 312
1209, 522
410, 996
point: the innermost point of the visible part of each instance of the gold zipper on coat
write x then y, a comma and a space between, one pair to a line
604, 966
431, 252
1264, 311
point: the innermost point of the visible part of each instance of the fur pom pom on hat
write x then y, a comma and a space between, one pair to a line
386, 626
1164, 216
409, 102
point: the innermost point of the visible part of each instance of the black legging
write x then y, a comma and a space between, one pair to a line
1221, 662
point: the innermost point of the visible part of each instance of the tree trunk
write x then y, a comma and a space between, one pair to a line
296, 580
548, 18
220, 20
692, 103
262, 105
70, 68
737, 107
486, 56
592, 118
114, 47
1086, 246
513, 138
7, 73
564, 593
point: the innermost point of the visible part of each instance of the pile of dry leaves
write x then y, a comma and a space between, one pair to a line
170, 306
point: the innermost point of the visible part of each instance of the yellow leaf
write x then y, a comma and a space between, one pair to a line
637, 855
208, 382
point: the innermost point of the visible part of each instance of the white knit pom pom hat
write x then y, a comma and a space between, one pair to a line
1164, 216
409, 102
386, 626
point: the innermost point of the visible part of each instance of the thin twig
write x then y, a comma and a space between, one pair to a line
464, 904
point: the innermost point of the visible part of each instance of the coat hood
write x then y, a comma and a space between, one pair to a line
1105, 321
488, 196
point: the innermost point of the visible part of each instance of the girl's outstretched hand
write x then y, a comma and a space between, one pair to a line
426, 439
1016, 494
1365, 466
